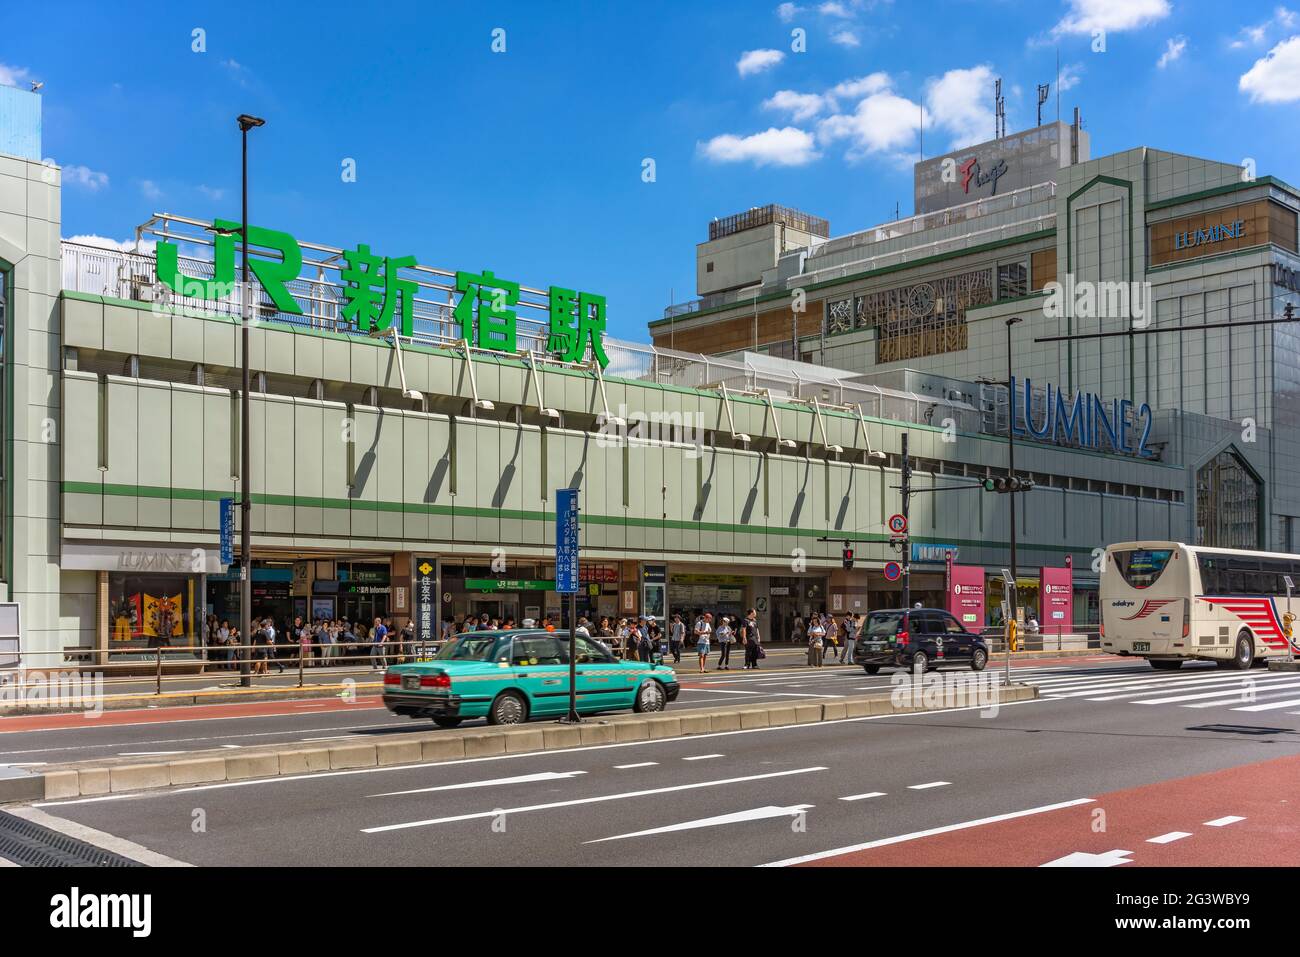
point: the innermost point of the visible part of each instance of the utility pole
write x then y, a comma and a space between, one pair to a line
907, 518
1014, 588
246, 123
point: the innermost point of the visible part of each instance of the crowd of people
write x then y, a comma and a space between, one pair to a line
826, 634
319, 643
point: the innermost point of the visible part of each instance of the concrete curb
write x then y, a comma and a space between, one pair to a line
88, 779
178, 699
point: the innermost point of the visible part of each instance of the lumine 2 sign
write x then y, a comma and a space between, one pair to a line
374, 293
1085, 420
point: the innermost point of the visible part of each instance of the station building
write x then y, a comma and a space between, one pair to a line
412, 423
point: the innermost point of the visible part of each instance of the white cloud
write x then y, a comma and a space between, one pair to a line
962, 103
756, 61
212, 192
1257, 35
150, 189
882, 123
1070, 77
84, 176
862, 86
1086, 16
833, 9
1276, 77
800, 106
846, 38
103, 242
787, 11
788, 146
14, 75
1174, 48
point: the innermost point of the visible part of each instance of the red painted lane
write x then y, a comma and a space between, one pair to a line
198, 712
1266, 794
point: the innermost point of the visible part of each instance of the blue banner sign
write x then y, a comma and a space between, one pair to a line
1085, 420
566, 541
932, 553
227, 531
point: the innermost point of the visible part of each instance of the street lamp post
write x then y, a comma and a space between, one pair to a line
246, 123
1014, 587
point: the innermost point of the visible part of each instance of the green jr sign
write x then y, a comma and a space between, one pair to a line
374, 294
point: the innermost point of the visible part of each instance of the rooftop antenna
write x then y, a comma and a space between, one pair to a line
999, 113
1043, 89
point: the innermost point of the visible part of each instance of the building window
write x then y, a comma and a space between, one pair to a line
1227, 503
1013, 280
708, 267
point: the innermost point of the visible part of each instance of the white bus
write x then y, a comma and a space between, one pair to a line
1169, 603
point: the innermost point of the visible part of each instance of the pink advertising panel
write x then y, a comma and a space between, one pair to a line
966, 595
1057, 614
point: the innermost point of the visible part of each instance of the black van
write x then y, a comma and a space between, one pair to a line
907, 637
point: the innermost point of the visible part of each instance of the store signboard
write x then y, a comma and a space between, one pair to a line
227, 531
426, 598
140, 558
1057, 614
966, 595
566, 541
509, 584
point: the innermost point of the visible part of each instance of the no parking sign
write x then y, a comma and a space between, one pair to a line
893, 571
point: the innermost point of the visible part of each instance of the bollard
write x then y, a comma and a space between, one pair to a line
158, 677
301, 656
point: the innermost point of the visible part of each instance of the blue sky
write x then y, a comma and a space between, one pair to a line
530, 161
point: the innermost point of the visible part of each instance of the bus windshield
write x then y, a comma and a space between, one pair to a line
1142, 567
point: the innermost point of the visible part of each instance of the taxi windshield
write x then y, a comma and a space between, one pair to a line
472, 648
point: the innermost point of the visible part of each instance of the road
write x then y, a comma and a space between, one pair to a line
1114, 766
38, 740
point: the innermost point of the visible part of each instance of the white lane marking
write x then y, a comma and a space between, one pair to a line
1156, 686
639, 764
1272, 706
288, 732
282, 779
24, 764
702, 757
1224, 821
102, 839
917, 835
1085, 859
1129, 678
494, 782
736, 817
1169, 838
599, 799
154, 709
863, 797
932, 784
1241, 690
697, 692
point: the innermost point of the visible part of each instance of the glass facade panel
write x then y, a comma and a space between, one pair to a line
1227, 504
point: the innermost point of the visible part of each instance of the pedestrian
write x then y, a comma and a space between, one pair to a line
634, 635
649, 639
377, 638
750, 638
620, 638
271, 653
703, 632
677, 637
832, 636
816, 639
583, 628
851, 624
725, 638
302, 635
797, 634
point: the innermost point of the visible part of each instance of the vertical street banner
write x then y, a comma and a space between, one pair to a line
227, 531
566, 541
426, 599
966, 595
1057, 614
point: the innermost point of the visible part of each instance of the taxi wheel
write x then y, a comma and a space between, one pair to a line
921, 662
871, 669
650, 697
448, 722
508, 708
979, 659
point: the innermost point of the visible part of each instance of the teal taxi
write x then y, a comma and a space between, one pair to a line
508, 677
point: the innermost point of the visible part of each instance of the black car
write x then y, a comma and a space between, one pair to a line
908, 637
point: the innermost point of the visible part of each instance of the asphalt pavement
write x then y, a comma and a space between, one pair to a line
1188, 767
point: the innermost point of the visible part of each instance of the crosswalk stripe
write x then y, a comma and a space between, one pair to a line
1245, 689
1156, 687
1273, 706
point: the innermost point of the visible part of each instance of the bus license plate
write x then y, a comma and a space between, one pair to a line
1141, 646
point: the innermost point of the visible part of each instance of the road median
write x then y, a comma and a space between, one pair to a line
106, 777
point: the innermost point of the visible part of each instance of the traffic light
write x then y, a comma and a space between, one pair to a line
848, 558
1010, 483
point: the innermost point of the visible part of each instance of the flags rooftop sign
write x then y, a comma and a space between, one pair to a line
375, 295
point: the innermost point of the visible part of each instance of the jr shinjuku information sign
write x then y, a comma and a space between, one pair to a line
373, 291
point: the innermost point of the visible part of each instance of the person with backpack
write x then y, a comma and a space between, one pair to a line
703, 634
851, 625
750, 639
